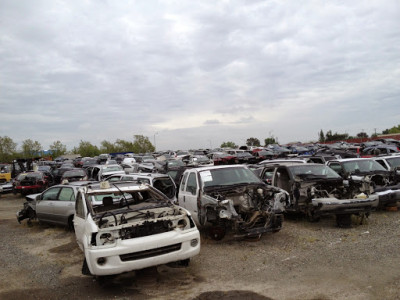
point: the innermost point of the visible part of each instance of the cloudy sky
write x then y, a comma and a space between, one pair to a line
191, 74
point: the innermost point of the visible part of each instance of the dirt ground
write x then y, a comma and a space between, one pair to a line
302, 261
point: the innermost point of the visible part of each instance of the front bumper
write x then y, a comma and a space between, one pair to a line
139, 253
329, 206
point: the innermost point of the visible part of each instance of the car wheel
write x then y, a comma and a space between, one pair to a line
71, 223
343, 221
217, 233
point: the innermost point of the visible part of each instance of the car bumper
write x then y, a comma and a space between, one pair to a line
139, 253
345, 206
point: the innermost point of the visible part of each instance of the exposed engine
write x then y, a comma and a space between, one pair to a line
139, 224
250, 210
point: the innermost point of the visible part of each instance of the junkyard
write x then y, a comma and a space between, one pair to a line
200, 150
302, 261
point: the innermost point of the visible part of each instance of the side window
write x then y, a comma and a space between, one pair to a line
143, 180
114, 179
267, 176
79, 206
66, 194
192, 184
382, 163
336, 167
183, 181
95, 172
316, 160
51, 194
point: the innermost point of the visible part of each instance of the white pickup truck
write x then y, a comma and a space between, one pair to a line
231, 198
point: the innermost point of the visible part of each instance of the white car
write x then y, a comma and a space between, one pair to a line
122, 227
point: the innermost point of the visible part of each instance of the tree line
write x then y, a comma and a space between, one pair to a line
31, 149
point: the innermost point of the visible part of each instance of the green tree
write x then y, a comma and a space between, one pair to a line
58, 149
108, 147
362, 135
270, 140
85, 148
125, 146
8, 149
31, 148
142, 144
253, 142
229, 145
329, 137
321, 136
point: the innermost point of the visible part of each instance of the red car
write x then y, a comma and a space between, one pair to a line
30, 183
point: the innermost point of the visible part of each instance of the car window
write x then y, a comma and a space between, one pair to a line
143, 180
79, 206
51, 194
114, 179
192, 184
66, 194
336, 167
183, 182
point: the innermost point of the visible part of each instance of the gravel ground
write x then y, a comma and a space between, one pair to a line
302, 261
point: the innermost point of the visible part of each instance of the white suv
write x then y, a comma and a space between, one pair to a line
125, 226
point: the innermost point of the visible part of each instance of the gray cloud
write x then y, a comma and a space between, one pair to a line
197, 71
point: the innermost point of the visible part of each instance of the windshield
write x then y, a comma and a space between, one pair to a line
394, 162
112, 168
228, 176
74, 173
313, 171
366, 165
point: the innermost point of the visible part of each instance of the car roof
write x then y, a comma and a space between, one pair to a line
124, 186
218, 167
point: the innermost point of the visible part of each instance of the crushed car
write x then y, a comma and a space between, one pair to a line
126, 226
233, 198
316, 190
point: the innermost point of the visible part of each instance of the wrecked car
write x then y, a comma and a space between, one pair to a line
126, 226
55, 205
30, 182
369, 177
161, 182
231, 198
316, 190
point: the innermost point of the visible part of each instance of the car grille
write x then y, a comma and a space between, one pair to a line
150, 253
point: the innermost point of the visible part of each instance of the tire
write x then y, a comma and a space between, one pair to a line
343, 221
217, 233
70, 225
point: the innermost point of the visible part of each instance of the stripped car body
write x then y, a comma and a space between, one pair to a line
316, 190
122, 227
231, 198
369, 177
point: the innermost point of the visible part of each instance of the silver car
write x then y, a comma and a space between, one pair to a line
54, 205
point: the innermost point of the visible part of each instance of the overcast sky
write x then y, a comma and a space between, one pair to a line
193, 74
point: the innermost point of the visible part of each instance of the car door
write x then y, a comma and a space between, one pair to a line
45, 205
80, 220
190, 194
64, 206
